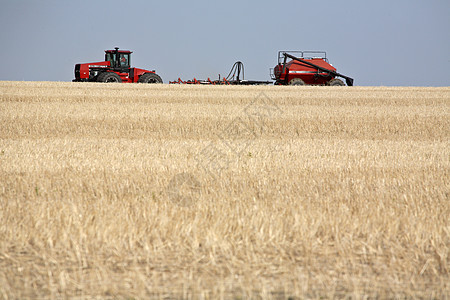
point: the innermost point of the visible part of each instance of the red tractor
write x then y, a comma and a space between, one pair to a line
115, 68
306, 68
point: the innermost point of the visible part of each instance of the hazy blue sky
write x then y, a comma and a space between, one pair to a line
392, 43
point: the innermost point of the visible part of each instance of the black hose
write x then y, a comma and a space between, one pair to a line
237, 67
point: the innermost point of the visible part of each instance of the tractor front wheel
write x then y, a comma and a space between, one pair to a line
150, 78
296, 81
336, 82
108, 77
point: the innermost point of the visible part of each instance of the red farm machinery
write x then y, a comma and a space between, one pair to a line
115, 68
306, 68
293, 68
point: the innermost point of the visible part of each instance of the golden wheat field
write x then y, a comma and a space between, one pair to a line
223, 192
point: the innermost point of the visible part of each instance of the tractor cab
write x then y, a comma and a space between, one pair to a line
119, 59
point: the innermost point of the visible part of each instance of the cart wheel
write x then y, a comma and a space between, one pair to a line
296, 81
336, 82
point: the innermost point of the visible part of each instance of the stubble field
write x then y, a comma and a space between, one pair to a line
160, 191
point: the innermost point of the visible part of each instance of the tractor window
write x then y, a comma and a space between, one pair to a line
111, 57
124, 59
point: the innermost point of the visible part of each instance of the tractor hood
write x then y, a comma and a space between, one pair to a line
100, 64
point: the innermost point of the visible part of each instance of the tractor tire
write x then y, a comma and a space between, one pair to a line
150, 78
296, 81
109, 77
336, 82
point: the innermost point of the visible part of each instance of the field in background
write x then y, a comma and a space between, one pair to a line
138, 191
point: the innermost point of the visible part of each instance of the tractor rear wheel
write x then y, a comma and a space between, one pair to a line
109, 77
296, 81
150, 78
336, 82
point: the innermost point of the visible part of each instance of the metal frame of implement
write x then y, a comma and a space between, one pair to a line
233, 78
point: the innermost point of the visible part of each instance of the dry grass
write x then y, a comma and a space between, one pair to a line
340, 192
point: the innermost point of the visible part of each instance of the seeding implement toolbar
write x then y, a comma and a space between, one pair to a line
233, 78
